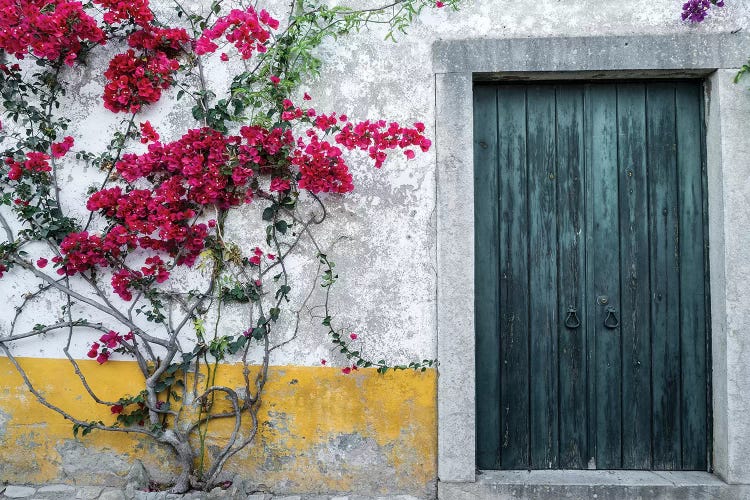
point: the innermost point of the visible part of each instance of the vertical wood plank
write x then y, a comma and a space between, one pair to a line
486, 278
691, 254
573, 450
634, 280
543, 317
603, 273
665, 276
514, 286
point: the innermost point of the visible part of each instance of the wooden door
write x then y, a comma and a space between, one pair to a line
591, 278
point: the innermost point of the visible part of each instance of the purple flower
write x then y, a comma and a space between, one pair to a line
695, 10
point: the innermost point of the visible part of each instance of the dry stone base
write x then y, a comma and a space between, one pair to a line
67, 492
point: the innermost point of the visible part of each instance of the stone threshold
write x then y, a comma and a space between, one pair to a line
594, 484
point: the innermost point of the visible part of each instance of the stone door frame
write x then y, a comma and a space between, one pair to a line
457, 64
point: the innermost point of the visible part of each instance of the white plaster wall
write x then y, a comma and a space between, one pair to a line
385, 246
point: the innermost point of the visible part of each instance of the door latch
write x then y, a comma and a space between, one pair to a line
610, 320
571, 320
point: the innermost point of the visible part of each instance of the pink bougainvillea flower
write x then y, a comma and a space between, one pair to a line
353, 336
103, 357
439, 4
137, 11
377, 137
41, 262
116, 409
278, 184
148, 134
306, 97
323, 361
224, 57
167, 40
346, 370
275, 79
321, 166
94, 350
247, 30
59, 149
50, 29
111, 339
15, 172
137, 79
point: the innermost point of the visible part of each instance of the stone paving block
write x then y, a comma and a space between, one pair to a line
113, 494
151, 495
397, 497
56, 488
88, 492
194, 495
13, 491
256, 496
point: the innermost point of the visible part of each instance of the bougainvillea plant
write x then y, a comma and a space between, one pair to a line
145, 274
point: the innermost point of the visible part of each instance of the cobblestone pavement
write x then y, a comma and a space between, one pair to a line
68, 492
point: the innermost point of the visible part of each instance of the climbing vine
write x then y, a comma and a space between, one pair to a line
148, 272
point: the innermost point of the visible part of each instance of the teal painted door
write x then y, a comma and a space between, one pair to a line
591, 277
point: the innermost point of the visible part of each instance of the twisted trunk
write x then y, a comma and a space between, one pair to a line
179, 443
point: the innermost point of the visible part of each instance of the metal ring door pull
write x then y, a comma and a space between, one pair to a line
571, 320
610, 320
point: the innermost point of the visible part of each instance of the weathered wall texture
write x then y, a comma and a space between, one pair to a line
324, 431
320, 432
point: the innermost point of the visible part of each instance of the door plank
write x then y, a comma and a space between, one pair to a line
691, 251
486, 278
573, 451
665, 276
543, 318
514, 286
603, 274
634, 278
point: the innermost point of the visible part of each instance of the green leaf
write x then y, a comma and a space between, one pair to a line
198, 113
281, 226
274, 312
269, 212
259, 333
